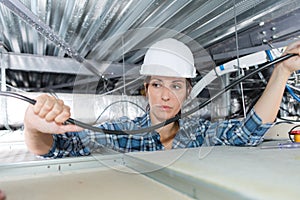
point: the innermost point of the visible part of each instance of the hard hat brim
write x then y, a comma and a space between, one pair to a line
161, 70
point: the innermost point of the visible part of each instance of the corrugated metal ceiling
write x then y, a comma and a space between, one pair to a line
117, 32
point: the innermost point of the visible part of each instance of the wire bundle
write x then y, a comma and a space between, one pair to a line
168, 121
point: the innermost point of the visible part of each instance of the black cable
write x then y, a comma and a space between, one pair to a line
168, 121
292, 114
17, 96
70, 120
236, 82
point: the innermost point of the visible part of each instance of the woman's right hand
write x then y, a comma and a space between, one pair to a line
48, 116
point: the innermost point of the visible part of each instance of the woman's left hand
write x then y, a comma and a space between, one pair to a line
292, 64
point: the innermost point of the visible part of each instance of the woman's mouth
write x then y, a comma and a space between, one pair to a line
166, 108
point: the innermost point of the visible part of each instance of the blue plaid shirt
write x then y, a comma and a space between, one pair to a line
193, 132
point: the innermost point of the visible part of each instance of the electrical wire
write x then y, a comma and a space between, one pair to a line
233, 84
289, 89
293, 87
291, 114
168, 121
292, 93
120, 101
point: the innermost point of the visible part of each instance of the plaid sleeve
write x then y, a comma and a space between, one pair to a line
246, 132
66, 145
84, 142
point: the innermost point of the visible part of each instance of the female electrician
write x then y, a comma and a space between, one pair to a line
168, 65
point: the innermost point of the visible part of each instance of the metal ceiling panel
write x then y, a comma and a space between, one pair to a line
119, 31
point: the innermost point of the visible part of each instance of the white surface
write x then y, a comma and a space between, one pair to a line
279, 131
215, 172
88, 184
13, 148
221, 171
248, 172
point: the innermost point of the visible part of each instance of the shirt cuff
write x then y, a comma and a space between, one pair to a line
253, 123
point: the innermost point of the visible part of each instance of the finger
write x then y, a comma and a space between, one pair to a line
295, 50
68, 128
63, 116
40, 100
47, 106
295, 60
55, 109
292, 47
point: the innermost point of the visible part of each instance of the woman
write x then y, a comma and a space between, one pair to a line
168, 65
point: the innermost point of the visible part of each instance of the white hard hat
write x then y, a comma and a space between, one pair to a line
169, 57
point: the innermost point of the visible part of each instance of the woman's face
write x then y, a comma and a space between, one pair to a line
166, 96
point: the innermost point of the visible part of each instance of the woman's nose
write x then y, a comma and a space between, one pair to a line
165, 95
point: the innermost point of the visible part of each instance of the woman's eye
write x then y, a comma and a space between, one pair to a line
177, 87
156, 85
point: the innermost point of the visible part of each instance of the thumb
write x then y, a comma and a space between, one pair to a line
293, 48
70, 128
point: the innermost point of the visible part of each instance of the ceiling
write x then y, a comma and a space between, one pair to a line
54, 45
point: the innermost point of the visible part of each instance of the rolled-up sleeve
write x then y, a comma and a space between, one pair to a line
66, 145
246, 132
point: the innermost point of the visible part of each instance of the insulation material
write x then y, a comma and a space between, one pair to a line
84, 107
